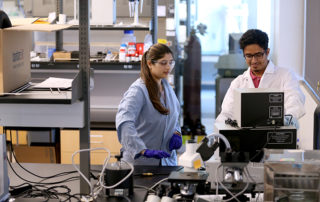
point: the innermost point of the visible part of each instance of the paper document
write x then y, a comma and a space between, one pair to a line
16, 21
53, 82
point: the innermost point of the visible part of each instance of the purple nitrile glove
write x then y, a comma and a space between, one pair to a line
175, 142
158, 154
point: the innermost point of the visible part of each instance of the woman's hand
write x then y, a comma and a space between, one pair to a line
175, 141
158, 154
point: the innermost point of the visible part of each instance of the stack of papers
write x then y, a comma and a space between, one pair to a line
53, 82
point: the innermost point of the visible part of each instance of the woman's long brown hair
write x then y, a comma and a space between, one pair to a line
154, 53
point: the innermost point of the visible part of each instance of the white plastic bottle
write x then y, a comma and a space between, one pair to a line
132, 49
122, 52
128, 36
147, 42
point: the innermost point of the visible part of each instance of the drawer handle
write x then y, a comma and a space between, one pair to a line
97, 142
101, 136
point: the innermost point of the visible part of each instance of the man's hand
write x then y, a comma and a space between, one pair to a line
175, 142
158, 154
290, 120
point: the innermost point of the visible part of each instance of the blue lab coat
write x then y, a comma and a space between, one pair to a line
140, 126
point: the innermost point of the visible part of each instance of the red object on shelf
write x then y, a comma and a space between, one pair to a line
139, 47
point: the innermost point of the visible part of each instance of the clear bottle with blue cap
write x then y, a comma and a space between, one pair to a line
128, 36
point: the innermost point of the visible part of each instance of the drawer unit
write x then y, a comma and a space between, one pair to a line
98, 138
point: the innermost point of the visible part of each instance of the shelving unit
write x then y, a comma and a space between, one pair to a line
153, 25
104, 98
112, 27
84, 71
74, 65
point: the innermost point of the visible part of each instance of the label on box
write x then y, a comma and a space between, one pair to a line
280, 137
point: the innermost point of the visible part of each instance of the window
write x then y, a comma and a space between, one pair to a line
230, 16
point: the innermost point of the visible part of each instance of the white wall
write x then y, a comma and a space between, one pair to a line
288, 47
288, 51
305, 132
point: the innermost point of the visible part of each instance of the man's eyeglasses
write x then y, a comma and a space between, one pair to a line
166, 62
258, 55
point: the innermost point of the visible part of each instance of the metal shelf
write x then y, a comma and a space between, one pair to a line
74, 65
84, 74
112, 27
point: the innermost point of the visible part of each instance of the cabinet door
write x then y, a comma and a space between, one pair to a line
17, 136
108, 139
98, 138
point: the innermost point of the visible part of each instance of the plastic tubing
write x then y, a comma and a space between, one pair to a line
224, 139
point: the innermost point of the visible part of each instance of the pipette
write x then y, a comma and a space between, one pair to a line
131, 8
141, 5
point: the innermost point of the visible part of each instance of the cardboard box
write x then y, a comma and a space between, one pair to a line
15, 50
35, 154
62, 55
15, 47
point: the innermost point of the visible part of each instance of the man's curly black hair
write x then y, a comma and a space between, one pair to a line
4, 20
254, 36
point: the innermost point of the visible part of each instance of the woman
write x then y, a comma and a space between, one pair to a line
148, 115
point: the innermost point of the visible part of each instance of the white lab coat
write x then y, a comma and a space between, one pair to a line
273, 77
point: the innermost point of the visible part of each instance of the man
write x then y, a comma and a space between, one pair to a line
4, 20
262, 73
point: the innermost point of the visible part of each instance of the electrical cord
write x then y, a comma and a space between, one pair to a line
53, 192
20, 185
239, 193
257, 154
73, 196
118, 183
225, 188
81, 174
144, 187
46, 177
156, 184
267, 142
98, 187
243, 190
42, 183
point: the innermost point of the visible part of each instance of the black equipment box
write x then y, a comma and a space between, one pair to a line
253, 141
259, 107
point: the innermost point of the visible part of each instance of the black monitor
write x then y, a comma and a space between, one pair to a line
258, 107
